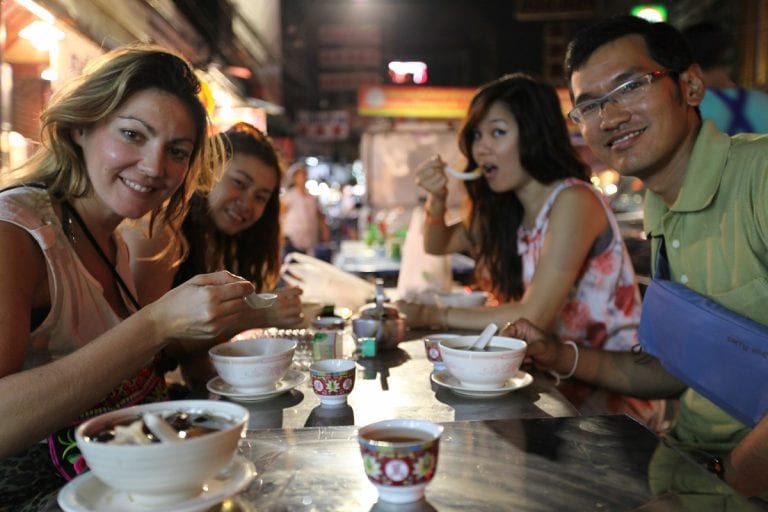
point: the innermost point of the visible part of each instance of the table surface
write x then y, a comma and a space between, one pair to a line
397, 384
534, 464
525, 451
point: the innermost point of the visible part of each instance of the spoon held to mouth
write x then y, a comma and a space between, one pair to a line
464, 176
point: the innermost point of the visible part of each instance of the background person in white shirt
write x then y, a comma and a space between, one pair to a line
303, 221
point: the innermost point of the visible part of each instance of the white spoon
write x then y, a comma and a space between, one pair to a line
160, 428
484, 338
260, 300
464, 176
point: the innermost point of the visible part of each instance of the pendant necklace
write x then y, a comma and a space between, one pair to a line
69, 214
69, 229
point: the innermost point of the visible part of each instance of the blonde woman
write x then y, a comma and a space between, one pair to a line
126, 138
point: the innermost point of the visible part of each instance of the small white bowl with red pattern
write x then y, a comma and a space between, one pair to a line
333, 380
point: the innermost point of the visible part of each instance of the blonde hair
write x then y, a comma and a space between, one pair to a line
105, 84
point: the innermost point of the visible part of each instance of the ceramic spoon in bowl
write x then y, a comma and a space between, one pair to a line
484, 338
464, 176
160, 428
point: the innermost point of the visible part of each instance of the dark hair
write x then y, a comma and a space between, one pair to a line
546, 154
666, 45
253, 253
711, 45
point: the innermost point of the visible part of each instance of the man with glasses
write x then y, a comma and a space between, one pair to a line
636, 91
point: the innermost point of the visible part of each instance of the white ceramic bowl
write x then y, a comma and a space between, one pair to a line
255, 364
482, 369
161, 472
461, 299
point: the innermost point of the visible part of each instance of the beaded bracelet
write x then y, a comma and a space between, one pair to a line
568, 375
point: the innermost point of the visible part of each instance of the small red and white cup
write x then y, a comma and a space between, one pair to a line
400, 457
432, 347
333, 380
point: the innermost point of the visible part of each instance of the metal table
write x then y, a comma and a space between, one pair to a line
525, 451
396, 384
542, 464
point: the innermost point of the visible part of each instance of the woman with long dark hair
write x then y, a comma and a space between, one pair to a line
234, 227
547, 245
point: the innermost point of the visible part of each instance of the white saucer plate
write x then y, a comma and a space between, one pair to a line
291, 379
446, 380
87, 493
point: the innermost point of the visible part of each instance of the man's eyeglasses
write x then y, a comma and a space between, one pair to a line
624, 95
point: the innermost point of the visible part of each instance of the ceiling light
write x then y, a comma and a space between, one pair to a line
41, 35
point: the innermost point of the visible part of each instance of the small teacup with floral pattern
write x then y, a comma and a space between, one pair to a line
432, 347
400, 457
333, 380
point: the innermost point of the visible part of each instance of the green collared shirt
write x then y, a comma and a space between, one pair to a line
716, 238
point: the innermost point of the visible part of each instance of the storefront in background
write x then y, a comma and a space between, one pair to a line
40, 52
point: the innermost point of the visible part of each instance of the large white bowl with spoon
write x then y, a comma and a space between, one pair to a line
482, 369
123, 452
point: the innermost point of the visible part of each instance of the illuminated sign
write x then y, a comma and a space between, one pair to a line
418, 102
651, 12
410, 71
